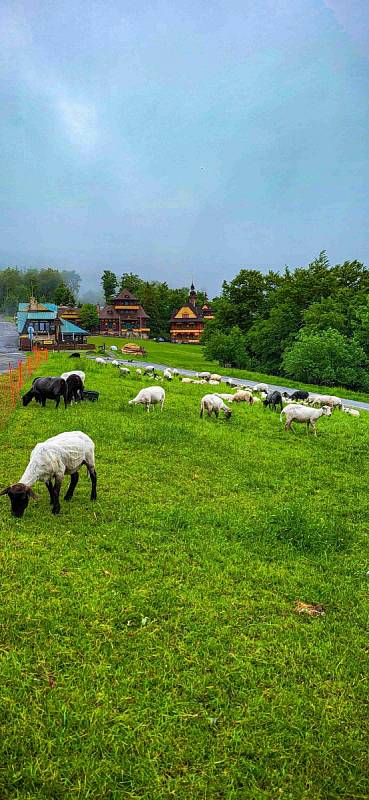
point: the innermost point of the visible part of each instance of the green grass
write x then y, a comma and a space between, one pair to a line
149, 645
189, 356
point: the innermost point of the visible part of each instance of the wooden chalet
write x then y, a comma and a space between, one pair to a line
188, 322
124, 316
49, 329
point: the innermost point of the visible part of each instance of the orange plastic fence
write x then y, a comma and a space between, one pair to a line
12, 381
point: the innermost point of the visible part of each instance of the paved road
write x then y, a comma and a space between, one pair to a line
9, 352
238, 381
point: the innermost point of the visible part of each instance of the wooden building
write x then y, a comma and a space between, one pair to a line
124, 316
48, 328
188, 322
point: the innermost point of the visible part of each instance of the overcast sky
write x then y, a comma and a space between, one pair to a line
183, 138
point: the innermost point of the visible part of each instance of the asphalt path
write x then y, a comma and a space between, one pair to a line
238, 381
9, 352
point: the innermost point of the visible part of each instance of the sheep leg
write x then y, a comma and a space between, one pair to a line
93, 476
73, 483
50, 490
56, 491
57, 402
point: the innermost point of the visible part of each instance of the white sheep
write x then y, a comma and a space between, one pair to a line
150, 396
225, 396
138, 372
261, 387
330, 400
213, 382
230, 382
168, 374
175, 372
243, 396
303, 414
213, 403
61, 455
186, 380
215, 377
115, 363
113, 347
205, 375
352, 411
78, 372
99, 360
124, 371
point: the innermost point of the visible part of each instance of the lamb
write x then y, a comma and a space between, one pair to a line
213, 403
352, 411
150, 396
273, 399
79, 372
295, 413
261, 387
61, 455
49, 388
168, 374
243, 397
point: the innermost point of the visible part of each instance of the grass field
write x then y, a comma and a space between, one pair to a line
189, 356
149, 645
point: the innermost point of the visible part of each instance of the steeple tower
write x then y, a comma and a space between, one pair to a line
192, 297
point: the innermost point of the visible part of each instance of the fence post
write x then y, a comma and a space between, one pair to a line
12, 392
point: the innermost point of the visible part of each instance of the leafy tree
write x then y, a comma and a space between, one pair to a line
229, 349
326, 357
109, 283
89, 316
63, 296
325, 313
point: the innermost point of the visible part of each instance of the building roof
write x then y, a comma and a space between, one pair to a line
112, 313
69, 327
125, 294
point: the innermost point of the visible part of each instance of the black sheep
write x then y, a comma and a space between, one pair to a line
47, 389
75, 355
74, 388
273, 399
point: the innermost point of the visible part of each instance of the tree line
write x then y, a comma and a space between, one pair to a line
310, 324
48, 285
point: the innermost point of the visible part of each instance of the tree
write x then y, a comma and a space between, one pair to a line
63, 296
109, 283
89, 317
229, 349
326, 357
72, 279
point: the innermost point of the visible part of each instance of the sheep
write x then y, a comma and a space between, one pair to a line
149, 396
78, 372
215, 377
324, 400
243, 397
230, 382
74, 388
75, 355
213, 403
168, 374
299, 413
113, 347
100, 360
263, 396
213, 382
61, 455
273, 399
175, 372
187, 380
115, 363
352, 411
138, 372
300, 394
43, 389
205, 375
124, 371
261, 387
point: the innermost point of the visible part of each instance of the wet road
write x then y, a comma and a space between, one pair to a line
238, 381
9, 352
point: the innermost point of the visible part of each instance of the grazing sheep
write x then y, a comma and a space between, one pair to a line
100, 360
273, 399
352, 411
213, 403
113, 347
205, 375
230, 382
124, 371
115, 363
150, 396
78, 372
300, 394
43, 389
187, 380
228, 397
243, 397
213, 382
168, 374
74, 388
215, 377
261, 387
75, 355
175, 372
330, 400
139, 372
296, 413
61, 455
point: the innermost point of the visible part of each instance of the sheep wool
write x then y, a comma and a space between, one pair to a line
60, 455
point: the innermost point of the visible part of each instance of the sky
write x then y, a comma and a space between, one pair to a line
183, 140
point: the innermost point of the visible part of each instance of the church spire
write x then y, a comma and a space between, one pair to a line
192, 297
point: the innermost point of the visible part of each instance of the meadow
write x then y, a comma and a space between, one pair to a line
150, 647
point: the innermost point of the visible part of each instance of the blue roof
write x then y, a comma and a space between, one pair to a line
49, 306
68, 327
21, 319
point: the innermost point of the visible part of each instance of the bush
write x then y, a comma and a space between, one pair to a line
229, 349
326, 357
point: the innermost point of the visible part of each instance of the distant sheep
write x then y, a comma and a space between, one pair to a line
215, 377
300, 394
167, 374
124, 371
100, 360
78, 372
150, 396
213, 382
330, 400
187, 380
212, 403
115, 363
352, 411
138, 372
113, 347
261, 387
302, 414
228, 397
273, 399
205, 375
243, 397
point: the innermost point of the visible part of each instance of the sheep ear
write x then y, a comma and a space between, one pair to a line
5, 491
31, 493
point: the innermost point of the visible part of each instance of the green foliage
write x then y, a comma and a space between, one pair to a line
326, 357
89, 317
109, 283
17, 285
227, 348
63, 296
149, 645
